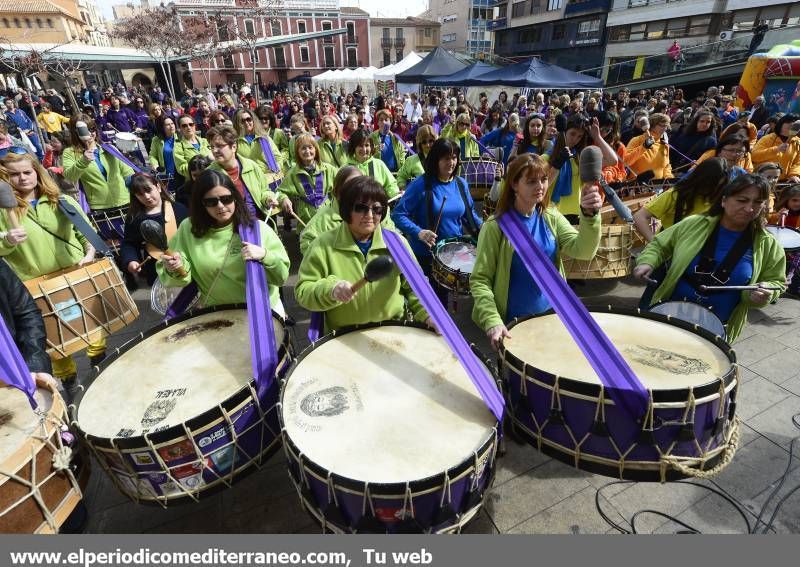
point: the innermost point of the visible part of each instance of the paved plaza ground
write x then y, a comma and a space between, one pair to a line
532, 493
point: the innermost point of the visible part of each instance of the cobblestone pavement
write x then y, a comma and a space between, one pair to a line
532, 493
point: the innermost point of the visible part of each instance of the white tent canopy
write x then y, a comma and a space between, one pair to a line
348, 79
388, 73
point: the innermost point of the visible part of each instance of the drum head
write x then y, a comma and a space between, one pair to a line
171, 376
663, 356
128, 136
787, 237
458, 256
692, 313
18, 422
385, 404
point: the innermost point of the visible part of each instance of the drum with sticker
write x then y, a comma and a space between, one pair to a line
175, 412
558, 403
385, 432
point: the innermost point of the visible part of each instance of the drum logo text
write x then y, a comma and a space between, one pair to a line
666, 360
327, 402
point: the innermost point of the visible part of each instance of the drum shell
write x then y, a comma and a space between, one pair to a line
81, 305
110, 225
126, 142
59, 493
468, 481
613, 258
556, 413
205, 453
453, 280
479, 174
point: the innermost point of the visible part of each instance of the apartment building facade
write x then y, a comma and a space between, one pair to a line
394, 38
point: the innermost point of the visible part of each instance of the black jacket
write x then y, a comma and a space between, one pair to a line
23, 320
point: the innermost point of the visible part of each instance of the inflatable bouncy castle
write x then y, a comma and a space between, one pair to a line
774, 74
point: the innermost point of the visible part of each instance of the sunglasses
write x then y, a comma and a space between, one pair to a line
187, 125
209, 202
363, 209
247, 119
465, 124
220, 120
14, 150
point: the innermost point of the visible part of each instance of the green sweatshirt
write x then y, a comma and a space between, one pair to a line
184, 151
492, 272
293, 188
412, 168
218, 256
381, 174
255, 180
281, 140
42, 253
328, 218
333, 153
101, 193
334, 257
769, 262
254, 153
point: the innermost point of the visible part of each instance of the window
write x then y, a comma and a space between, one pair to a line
558, 31
554, 5
351, 57
427, 32
304, 54
699, 25
619, 33
16, 23
222, 30
256, 57
387, 59
772, 15
249, 28
351, 32
49, 23
398, 55
517, 9
450, 18
6, 23
677, 27
794, 15
655, 30
28, 23
301, 27
275, 28
39, 23
330, 59
637, 32
448, 37
280, 56
398, 33
536, 6
588, 30
227, 60
387, 33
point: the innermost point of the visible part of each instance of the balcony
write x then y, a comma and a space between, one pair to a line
351, 40
386, 42
497, 24
399, 42
487, 3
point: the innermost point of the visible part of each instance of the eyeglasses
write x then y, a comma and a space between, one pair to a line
734, 151
187, 125
247, 119
14, 150
209, 202
220, 120
464, 124
363, 209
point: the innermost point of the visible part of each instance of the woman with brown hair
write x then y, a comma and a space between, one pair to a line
501, 285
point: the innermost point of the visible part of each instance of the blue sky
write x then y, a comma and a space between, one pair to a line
376, 8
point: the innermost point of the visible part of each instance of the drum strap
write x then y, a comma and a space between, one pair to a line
53, 234
371, 168
471, 225
707, 271
266, 149
84, 227
617, 377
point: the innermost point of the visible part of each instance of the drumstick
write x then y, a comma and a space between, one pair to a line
739, 288
375, 269
8, 201
783, 219
153, 233
395, 198
439, 218
298, 219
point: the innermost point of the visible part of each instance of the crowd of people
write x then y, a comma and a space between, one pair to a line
342, 168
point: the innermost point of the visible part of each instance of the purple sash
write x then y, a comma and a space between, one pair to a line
259, 315
248, 198
82, 201
316, 325
117, 154
476, 371
406, 146
617, 377
315, 196
267, 151
12, 366
182, 302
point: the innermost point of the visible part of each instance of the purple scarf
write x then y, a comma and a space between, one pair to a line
615, 374
315, 196
267, 151
12, 366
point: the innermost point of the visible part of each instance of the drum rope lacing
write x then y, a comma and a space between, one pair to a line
61, 464
728, 451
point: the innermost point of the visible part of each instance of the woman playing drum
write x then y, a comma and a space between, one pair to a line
501, 285
162, 151
46, 241
309, 182
101, 175
727, 246
787, 214
208, 249
149, 202
338, 259
360, 152
692, 195
414, 165
437, 197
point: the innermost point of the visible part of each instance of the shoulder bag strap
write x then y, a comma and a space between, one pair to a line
84, 227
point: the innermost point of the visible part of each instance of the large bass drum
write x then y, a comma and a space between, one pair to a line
384, 432
557, 402
175, 412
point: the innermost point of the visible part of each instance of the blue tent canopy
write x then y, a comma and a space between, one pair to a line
457, 79
535, 73
437, 62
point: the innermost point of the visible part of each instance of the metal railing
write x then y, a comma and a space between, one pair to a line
386, 42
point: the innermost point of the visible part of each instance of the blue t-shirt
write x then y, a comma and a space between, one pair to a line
722, 303
364, 246
524, 296
387, 154
169, 155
